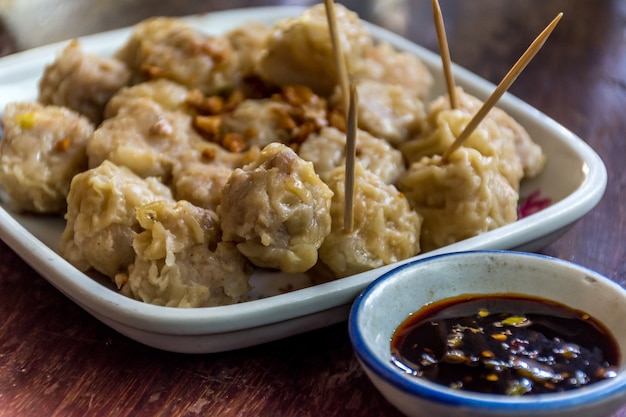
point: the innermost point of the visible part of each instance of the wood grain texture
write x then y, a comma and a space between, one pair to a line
57, 360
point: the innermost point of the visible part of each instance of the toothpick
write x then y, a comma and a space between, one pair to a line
340, 60
445, 54
351, 131
504, 85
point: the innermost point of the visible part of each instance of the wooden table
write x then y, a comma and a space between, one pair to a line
55, 359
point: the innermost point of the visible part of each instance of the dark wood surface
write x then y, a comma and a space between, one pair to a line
56, 359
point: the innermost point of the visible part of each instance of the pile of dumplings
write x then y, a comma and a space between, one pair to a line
187, 160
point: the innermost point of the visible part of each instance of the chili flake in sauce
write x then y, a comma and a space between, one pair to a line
505, 344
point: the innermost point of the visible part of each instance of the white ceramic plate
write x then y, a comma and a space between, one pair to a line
574, 179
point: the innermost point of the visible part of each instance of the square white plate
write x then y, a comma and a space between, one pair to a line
574, 179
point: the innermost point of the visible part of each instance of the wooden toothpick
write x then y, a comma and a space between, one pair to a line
504, 85
350, 101
445, 54
351, 131
340, 59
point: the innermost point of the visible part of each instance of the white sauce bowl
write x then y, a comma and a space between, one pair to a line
390, 299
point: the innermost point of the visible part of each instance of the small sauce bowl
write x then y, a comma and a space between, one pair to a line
389, 300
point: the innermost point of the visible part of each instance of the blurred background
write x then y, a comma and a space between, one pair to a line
37, 22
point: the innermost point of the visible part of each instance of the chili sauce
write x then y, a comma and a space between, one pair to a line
505, 344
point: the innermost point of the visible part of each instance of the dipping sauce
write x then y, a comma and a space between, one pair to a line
505, 344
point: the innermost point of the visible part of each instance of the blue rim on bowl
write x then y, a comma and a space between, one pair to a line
383, 368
